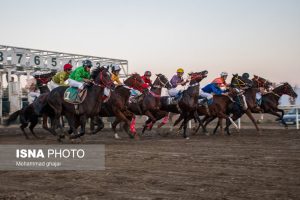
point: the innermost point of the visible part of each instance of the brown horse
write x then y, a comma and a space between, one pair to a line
259, 82
116, 106
31, 113
89, 108
188, 104
270, 101
150, 104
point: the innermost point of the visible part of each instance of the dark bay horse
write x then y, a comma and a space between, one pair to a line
270, 101
89, 108
116, 106
31, 113
150, 104
188, 104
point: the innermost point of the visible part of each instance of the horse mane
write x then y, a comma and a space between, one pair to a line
96, 72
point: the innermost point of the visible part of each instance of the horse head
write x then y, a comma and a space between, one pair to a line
162, 81
135, 81
261, 82
102, 77
286, 89
196, 77
239, 82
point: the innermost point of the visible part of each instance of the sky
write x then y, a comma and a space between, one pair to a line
260, 37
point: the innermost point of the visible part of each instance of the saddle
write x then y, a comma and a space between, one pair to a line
73, 96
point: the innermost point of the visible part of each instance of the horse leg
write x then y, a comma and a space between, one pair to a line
185, 122
33, 123
151, 116
250, 116
82, 120
220, 122
22, 127
216, 128
196, 117
273, 112
100, 125
204, 121
148, 121
165, 120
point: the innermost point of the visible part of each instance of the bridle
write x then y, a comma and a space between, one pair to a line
105, 83
162, 84
240, 83
286, 90
261, 82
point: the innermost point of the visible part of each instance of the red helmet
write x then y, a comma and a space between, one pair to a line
67, 67
147, 73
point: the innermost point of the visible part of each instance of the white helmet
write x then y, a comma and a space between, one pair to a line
115, 67
224, 74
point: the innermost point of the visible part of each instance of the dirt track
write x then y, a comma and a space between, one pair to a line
244, 166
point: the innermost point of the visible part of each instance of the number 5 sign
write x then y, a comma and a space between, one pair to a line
52, 62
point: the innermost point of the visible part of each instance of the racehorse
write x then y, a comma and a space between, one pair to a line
270, 101
117, 105
90, 107
150, 103
30, 114
188, 104
261, 82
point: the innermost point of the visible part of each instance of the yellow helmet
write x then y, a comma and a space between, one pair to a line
180, 70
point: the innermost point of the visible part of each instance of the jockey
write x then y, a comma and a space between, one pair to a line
246, 79
177, 80
221, 81
115, 69
217, 86
146, 78
60, 78
81, 75
33, 91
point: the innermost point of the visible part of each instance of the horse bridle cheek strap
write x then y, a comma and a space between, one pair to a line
101, 79
162, 83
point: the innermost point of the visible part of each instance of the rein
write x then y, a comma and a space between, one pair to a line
155, 95
162, 84
104, 84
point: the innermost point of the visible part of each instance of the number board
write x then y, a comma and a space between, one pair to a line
3, 57
19, 57
53, 62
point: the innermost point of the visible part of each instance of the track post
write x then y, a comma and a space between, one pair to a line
297, 118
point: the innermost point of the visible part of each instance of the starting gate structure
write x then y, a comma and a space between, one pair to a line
22, 61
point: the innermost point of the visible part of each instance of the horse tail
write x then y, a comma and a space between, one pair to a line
13, 117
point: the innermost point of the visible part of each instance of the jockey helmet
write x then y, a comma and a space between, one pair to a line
68, 67
87, 63
115, 68
224, 74
246, 75
147, 73
180, 70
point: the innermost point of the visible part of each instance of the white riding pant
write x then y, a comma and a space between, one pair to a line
53, 85
258, 95
173, 92
205, 94
74, 83
32, 96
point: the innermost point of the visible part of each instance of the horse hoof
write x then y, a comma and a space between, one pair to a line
207, 133
187, 138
